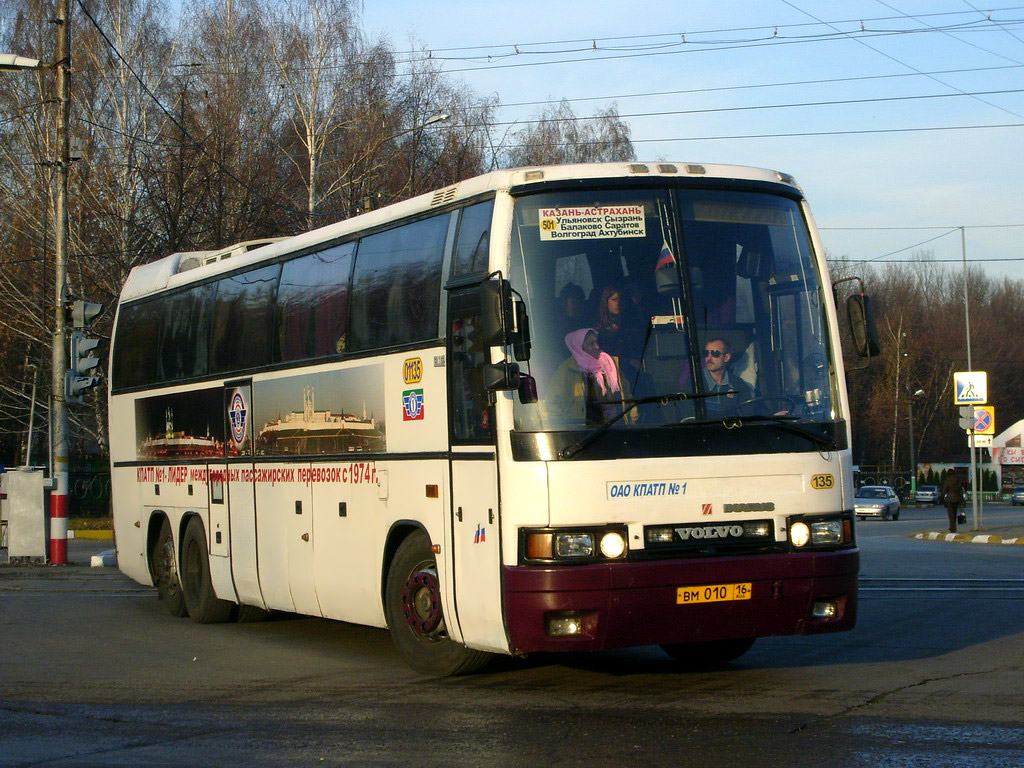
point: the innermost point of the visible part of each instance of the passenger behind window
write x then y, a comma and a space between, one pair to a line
587, 387
571, 300
619, 330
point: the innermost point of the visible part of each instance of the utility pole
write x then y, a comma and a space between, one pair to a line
59, 468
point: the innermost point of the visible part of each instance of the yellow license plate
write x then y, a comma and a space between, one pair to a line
713, 593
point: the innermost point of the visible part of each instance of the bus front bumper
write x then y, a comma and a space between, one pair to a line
618, 605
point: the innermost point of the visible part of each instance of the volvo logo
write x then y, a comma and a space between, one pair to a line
710, 532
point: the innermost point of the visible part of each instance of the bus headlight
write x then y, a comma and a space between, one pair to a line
799, 534
828, 532
574, 545
613, 545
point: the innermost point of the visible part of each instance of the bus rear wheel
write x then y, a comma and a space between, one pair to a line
165, 572
412, 600
710, 653
203, 605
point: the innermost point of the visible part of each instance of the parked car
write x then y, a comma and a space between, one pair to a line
929, 494
878, 501
1017, 497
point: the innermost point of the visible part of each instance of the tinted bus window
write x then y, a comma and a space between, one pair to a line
473, 242
312, 303
396, 285
185, 333
243, 320
138, 331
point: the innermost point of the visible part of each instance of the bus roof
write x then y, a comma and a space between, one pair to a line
190, 266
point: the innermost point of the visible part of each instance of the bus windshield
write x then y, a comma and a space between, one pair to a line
709, 299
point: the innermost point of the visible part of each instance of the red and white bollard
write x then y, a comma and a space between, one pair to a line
59, 519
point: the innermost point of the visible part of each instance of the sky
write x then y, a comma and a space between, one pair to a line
743, 83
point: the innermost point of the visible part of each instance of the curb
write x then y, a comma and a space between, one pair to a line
967, 538
96, 535
107, 559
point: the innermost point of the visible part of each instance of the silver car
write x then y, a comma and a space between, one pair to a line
876, 501
1017, 497
929, 494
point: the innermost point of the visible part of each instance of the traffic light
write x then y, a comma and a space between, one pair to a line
82, 314
79, 378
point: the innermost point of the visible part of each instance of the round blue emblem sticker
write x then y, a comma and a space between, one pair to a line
236, 415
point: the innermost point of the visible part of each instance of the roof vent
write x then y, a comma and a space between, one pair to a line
443, 196
195, 259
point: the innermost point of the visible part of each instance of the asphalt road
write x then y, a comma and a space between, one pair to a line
94, 672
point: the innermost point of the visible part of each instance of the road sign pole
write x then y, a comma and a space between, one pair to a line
975, 491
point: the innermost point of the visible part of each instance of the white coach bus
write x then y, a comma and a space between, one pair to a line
557, 408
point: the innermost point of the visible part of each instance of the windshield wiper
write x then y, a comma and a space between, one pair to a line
785, 421
631, 403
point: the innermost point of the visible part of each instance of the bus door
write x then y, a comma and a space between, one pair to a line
232, 499
475, 516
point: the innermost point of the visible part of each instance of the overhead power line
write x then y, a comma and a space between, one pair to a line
889, 56
726, 30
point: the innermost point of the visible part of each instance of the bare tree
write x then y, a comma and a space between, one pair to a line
558, 135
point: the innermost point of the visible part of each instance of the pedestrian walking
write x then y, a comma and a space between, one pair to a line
953, 496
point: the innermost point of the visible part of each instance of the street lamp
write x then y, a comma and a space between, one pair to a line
9, 62
910, 426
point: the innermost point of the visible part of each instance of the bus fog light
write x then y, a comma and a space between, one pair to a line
799, 534
660, 535
565, 624
574, 544
825, 609
827, 532
759, 529
613, 545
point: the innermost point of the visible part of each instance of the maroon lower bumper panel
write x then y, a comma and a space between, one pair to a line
618, 605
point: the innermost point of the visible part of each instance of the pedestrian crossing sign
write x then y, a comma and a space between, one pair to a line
970, 387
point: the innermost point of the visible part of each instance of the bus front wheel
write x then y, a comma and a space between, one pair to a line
165, 572
415, 619
709, 653
203, 605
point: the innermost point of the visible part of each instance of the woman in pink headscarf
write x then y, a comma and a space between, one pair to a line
587, 386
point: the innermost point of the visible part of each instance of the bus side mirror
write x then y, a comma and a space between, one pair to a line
862, 325
527, 389
501, 377
495, 313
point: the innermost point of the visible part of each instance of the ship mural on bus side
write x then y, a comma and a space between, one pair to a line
324, 413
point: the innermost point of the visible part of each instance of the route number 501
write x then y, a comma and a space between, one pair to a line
821, 482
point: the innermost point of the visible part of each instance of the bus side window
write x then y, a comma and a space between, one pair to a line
396, 285
473, 242
184, 333
243, 320
312, 304
138, 334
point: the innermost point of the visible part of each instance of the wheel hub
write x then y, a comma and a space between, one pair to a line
421, 602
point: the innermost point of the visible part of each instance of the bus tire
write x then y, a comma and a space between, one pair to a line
412, 601
710, 653
165, 572
203, 605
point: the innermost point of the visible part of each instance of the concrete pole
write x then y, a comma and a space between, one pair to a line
59, 410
